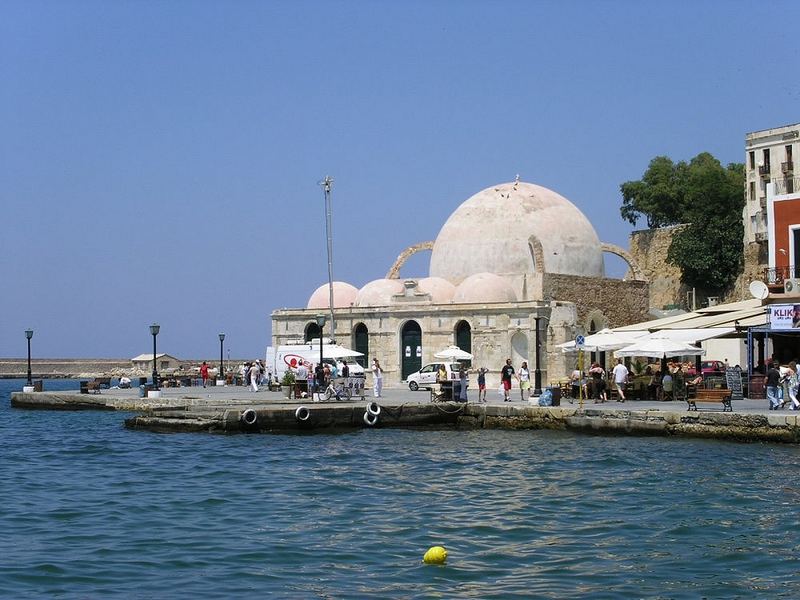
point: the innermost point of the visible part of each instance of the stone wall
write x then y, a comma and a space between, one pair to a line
650, 247
610, 302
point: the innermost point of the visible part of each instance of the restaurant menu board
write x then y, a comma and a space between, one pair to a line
733, 378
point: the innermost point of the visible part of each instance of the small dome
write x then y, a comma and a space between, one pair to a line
379, 292
440, 290
484, 287
344, 296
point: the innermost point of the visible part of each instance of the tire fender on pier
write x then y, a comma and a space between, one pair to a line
250, 417
302, 414
374, 408
370, 419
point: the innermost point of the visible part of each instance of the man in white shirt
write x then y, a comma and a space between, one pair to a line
620, 379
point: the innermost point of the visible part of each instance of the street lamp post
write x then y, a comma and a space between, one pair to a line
29, 335
321, 323
537, 373
154, 328
327, 184
221, 370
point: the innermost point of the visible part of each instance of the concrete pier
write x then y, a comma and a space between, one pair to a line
236, 410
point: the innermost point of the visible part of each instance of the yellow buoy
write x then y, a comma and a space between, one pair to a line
435, 556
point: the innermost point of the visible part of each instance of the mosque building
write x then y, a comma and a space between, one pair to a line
537, 262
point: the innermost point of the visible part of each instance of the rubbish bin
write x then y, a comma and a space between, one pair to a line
38, 385
555, 391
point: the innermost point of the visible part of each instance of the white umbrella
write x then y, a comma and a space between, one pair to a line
655, 346
453, 353
605, 339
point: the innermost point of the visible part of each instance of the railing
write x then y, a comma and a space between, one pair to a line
777, 275
763, 170
761, 236
787, 167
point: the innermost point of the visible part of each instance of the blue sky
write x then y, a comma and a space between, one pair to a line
159, 160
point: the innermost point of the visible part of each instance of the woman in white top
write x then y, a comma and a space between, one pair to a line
377, 378
524, 377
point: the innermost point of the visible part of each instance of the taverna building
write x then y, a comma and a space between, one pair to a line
537, 262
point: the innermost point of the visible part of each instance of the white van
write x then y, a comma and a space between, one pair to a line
426, 376
291, 355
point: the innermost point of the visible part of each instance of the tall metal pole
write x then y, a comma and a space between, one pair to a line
537, 373
327, 184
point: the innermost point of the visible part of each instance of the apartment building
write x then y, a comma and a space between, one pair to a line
769, 158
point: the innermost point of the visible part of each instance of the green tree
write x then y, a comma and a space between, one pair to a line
706, 196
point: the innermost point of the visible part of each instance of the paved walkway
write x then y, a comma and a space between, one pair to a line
396, 396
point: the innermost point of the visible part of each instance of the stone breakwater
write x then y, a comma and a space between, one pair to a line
64, 368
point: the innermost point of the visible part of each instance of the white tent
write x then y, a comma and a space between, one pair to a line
336, 351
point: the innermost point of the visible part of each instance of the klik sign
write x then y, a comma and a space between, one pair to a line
784, 316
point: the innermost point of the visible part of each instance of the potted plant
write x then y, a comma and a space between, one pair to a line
288, 383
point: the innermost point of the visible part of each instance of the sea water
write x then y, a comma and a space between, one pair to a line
89, 509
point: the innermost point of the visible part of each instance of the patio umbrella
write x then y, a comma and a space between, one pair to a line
655, 346
453, 353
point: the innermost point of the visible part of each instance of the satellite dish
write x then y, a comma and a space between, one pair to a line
759, 290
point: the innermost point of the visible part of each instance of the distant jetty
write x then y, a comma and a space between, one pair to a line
80, 368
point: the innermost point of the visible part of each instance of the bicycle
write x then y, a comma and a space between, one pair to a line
335, 390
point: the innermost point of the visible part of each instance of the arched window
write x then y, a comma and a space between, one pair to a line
464, 338
519, 349
361, 344
312, 331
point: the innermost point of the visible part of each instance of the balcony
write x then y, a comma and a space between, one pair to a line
763, 202
776, 276
787, 167
763, 170
762, 236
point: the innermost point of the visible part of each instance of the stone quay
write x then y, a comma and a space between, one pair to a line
235, 409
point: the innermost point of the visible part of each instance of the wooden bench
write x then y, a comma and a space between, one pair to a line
711, 395
95, 385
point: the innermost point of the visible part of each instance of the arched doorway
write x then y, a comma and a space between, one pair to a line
410, 349
464, 338
519, 349
361, 344
312, 331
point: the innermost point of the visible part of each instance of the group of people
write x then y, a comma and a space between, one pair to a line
251, 373
782, 385
660, 386
320, 375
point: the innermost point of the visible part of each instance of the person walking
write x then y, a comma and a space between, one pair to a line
482, 385
377, 378
204, 373
524, 377
254, 375
506, 374
620, 374
773, 385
